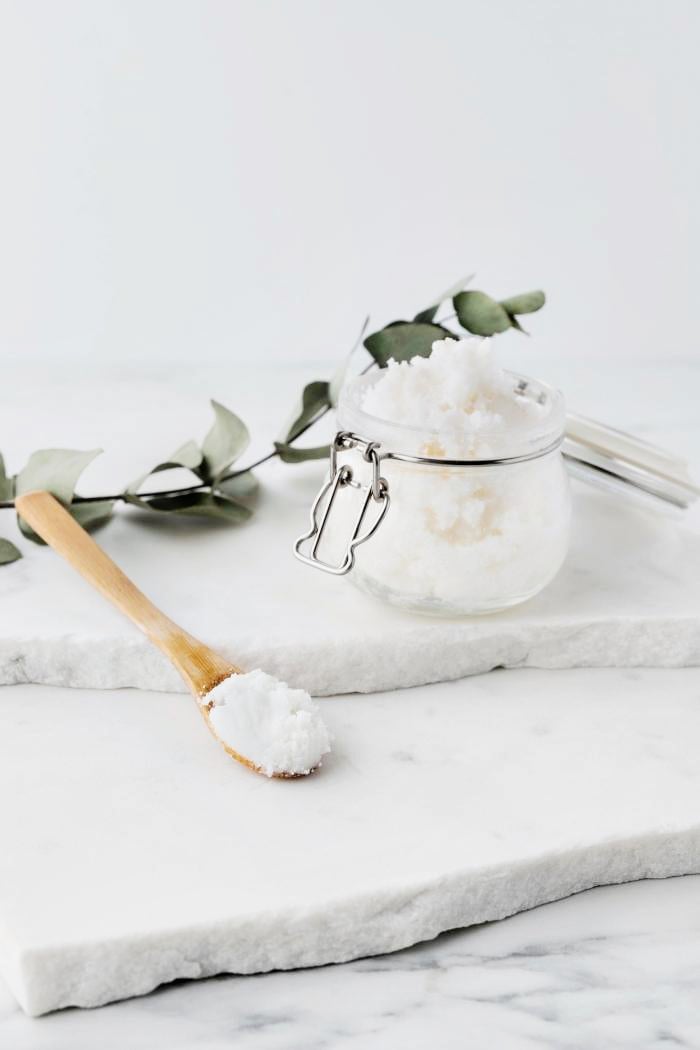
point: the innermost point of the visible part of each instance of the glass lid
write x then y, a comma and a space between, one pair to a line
614, 460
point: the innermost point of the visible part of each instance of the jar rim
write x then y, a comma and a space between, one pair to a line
345, 440
400, 440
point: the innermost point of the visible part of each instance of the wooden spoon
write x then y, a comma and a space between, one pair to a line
201, 668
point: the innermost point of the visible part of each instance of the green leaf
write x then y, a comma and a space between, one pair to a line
527, 303
480, 314
426, 316
188, 456
7, 486
8, 552
224, 443
242, 487
292, 454
403, 340
315, 399
92, 515
197, 504
54, 470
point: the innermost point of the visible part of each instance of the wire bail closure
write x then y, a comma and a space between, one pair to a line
377, 492
342, 477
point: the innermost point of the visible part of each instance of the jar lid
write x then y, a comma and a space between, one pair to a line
611, 459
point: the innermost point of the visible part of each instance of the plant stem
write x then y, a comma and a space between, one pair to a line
118, 497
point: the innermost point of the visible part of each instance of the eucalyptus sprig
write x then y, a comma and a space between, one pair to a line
220, 492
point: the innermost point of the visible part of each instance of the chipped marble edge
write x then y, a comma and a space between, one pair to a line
44, 979
421, 655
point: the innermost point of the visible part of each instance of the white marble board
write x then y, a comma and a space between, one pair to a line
135, 852
628, 595
615, 967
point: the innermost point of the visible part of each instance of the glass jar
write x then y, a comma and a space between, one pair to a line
450, 537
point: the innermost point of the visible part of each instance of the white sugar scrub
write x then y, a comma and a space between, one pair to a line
278, 729
470, 537
461, 396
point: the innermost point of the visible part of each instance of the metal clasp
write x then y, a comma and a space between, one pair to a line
341, 478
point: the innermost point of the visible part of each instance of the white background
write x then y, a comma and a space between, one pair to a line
225, 181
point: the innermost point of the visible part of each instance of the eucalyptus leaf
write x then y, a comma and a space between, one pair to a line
315, 399
293, 454
188, 456
224, 443
428, 315
92, 515
403, 340
7, 485
480, 314
242, 487
8, 552
55, 470
199, 504
527, 303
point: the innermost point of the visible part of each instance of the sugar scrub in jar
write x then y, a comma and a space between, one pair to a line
448, 471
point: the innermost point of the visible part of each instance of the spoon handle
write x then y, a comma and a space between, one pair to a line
200, 666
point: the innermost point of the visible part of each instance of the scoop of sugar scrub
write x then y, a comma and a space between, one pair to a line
260, 721
278, 729
460, 394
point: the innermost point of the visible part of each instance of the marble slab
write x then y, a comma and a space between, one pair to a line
134, 852
629, 594
614, 967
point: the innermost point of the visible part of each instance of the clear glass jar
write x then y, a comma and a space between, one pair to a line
443, 536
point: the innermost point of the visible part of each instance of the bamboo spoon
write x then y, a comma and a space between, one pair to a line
201, 668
